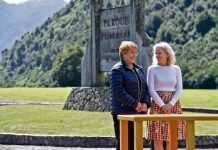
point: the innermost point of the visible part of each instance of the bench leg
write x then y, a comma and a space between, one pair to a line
138, 137
123, 135
190, 135
173, 143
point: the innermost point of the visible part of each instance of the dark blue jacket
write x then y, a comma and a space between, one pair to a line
125, 91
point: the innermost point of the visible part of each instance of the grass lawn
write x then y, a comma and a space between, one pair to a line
52, 120
41, 119
189, 98
44, 119
35, 94
200, 98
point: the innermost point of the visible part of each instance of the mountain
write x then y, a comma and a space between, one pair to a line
17, 19
50, 55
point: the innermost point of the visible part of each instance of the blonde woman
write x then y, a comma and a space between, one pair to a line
165, 86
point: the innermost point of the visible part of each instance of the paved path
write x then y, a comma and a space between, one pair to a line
19, 147
16, 147
27, 102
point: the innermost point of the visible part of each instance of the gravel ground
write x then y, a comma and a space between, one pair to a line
26, 102
21, 147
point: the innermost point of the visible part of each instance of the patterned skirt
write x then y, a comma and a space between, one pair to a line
158, 130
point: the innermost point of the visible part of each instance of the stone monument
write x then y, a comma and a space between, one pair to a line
109, 27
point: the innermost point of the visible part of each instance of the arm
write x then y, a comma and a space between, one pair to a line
117, 89
153, 93
146, 100
178, 86
147, 97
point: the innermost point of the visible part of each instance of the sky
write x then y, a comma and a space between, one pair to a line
20, 1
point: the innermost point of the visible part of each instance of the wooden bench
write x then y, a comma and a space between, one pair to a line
171, 118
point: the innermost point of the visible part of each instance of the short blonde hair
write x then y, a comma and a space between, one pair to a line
168, 49
125, 47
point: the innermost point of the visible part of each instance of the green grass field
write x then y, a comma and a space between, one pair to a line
35, 94
52, 120
41, 119
189, 98
200, 98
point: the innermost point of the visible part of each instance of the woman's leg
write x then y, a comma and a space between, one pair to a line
158, 144
117, 131
131, 135
164, 145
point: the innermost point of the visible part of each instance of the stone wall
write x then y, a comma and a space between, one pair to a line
87, 141
89, 99
97, 99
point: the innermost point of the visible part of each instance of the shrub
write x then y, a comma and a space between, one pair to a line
207, 82
67, 70
204, 23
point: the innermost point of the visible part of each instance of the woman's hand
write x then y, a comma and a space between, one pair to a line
167, 108
170, 105
144, 107
139, 107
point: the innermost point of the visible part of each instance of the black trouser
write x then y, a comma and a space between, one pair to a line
130, 133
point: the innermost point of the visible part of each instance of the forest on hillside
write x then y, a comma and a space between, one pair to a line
50, 55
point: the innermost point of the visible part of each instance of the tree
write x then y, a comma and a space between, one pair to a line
208, 82
154, 24
46, 63
67, 71
204, 23
187, 3
109, 5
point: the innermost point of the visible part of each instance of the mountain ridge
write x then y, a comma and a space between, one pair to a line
50, 55
18, 19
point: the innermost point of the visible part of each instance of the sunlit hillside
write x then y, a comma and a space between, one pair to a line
50, 55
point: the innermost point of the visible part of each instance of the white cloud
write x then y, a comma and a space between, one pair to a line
15, 1
67, 1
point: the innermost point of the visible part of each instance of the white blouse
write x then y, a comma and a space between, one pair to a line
164, 78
